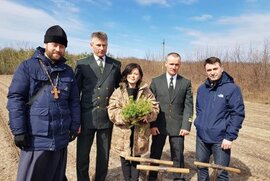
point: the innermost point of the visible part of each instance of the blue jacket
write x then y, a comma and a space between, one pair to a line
220, 110
47, 121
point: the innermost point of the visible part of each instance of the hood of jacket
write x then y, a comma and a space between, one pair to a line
40, 54
224, 79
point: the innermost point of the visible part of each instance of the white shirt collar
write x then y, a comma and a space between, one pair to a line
168, 76
96, 57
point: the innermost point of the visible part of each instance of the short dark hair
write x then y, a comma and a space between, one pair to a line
128, 69
174, 54
100, 35
212, 60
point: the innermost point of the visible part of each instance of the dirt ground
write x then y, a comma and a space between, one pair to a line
250, 151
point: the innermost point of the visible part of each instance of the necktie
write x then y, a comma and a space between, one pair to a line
101, 67
171, 89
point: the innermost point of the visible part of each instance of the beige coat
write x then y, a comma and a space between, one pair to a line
121, 131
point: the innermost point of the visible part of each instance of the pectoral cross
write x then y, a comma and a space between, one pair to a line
55, 92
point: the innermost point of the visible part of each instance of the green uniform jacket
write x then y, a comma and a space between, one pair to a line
95, 89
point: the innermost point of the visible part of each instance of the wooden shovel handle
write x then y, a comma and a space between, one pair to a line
149, 160
161, 168
230, 169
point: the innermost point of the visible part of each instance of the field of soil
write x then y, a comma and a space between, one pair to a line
250, 152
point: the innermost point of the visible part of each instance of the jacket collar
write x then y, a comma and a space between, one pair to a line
40, 55
142, 85
224, 79
107, 69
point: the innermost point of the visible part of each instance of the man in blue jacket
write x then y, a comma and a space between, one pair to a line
220, 113
44, 110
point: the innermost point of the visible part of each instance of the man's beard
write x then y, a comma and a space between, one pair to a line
52, 57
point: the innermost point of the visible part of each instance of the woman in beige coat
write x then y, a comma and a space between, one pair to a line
131, 141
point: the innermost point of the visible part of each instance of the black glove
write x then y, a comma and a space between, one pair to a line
72, 135
21, 140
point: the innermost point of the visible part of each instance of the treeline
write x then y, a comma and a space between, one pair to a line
10, 58
250, 72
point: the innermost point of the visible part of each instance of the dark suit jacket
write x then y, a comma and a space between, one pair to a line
175, 113
96, 89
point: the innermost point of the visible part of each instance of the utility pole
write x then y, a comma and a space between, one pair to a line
163, 53
163, 50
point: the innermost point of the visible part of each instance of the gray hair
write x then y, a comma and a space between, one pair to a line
100, 35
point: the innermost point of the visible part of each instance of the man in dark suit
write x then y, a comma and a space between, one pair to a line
174, 94
97, 77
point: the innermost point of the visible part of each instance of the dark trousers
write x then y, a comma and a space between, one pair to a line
84, 144
177, 153
130, 172
42, 165
221, 157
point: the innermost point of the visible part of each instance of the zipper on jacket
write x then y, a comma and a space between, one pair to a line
51, 110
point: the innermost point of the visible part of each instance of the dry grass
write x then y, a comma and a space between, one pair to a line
251, 77
250, 73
